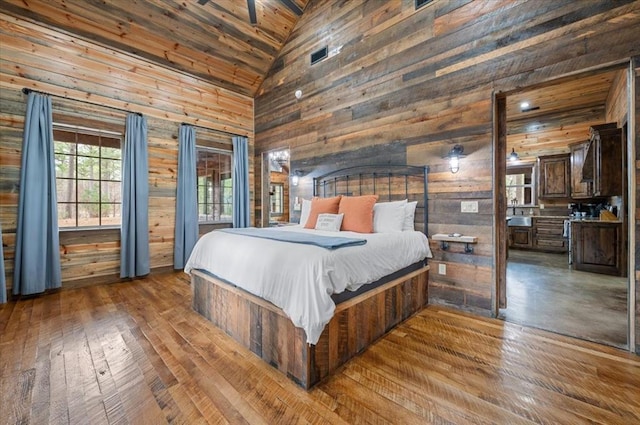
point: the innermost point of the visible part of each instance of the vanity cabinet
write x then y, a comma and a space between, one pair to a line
580, 188
548, 234
597, 247
554, 180
520, 237
603, 164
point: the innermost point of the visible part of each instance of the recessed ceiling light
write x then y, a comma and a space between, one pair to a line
524, 105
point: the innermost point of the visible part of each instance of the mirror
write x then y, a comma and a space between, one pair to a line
276, 198
520, 185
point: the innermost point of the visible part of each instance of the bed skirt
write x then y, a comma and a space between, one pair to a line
266, 331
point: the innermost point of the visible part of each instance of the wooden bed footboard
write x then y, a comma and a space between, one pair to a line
265, 330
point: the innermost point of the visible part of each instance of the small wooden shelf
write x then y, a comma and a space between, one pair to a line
465, 239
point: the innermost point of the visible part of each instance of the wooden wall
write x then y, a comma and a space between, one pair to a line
51, 61
404, 86
635, 95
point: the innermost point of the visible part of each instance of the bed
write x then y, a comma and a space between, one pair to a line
305, 309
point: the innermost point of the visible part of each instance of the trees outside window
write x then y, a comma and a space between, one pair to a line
214, 175
88, 177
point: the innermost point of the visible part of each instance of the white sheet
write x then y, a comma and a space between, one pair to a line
301, 278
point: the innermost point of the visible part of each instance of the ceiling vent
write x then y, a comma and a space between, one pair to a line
420, 3
318, 55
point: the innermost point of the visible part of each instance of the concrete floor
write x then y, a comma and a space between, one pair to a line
543, 292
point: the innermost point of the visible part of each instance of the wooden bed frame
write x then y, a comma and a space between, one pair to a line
266, 330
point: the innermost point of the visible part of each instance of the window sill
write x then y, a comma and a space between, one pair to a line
87, 229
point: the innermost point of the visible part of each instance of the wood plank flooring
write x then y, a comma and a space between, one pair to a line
135, 353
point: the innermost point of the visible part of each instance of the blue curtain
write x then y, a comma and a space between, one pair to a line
37, 255
240, 182
186, 233
134, 233
3, 282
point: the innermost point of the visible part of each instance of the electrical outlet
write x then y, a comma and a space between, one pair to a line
442, 269
469, 206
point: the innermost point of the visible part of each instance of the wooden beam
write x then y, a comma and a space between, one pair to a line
292, 7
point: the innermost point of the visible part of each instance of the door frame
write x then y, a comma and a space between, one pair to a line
499, 144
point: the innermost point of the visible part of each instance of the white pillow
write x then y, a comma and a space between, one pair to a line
409, 215
304, 211
388, 216
329, 222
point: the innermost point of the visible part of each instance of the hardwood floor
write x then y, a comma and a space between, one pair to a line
136, 353
544, 292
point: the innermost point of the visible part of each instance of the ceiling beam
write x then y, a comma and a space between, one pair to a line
292, 6
251, 5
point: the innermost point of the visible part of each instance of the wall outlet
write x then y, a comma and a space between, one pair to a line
442, 269
541, 206
469, 206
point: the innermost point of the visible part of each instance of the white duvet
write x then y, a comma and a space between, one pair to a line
300, 278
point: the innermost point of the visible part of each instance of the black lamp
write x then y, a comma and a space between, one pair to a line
513, 156
454, 156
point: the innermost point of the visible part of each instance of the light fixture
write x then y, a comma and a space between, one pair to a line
513, 156
454, 156
524, 105
298, 94
281, 157
295, 179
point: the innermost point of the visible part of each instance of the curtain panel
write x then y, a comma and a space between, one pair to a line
186, 232
37, 254
240, 182
134, 233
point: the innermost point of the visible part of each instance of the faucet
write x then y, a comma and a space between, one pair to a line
514, 202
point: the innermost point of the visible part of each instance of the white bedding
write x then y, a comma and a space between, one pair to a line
301, 278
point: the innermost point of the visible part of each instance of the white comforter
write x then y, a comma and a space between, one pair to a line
301, 278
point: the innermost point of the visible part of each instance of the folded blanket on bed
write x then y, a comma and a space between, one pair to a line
328, 242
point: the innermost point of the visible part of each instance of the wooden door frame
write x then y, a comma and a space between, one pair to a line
499, 144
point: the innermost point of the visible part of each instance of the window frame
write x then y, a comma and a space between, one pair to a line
94, 132
230, 154
532, 186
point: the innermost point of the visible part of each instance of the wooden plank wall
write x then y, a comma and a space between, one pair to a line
44, 59
636, 96
404, 86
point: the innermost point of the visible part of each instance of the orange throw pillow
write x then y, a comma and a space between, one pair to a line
358, 213
321, 206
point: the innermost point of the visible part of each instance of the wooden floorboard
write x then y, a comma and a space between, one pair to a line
135, 353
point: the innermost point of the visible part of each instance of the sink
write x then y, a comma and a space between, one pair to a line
519, 220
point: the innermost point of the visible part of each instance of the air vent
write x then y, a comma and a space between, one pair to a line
534, 108
318, 55
420, 3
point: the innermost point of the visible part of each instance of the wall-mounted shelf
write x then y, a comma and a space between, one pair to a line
445, 239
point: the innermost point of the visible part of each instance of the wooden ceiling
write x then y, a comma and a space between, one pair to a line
561, 113
214, 41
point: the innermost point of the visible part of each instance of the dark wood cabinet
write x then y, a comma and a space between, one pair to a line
520, 237
548, 234
598, 247
580, 189
554, 180
603, 164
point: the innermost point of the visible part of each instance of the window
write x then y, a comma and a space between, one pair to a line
520, 187
277, 199
214, 186
88, 174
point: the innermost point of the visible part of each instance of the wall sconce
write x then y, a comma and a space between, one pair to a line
513, 156
295, 179
454, 156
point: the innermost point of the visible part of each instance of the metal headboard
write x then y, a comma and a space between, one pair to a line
353, 177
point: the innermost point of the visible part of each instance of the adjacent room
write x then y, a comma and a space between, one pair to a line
319, 211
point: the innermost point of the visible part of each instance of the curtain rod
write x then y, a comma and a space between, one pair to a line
26, 90
210, 129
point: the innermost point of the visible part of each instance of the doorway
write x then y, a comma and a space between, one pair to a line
539, 132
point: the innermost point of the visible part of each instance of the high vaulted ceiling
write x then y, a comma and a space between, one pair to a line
214, 41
